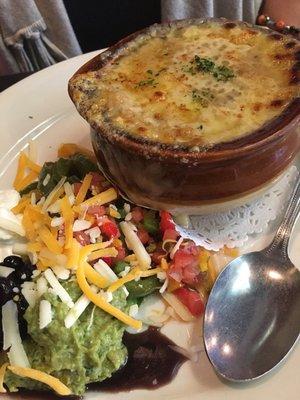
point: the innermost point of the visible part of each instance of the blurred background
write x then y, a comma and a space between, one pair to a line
103, 23
35, 34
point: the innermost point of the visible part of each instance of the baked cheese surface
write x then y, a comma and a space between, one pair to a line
196, 85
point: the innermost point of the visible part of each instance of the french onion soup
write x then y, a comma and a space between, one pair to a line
192, 112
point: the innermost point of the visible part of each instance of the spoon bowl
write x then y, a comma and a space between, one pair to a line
252, 317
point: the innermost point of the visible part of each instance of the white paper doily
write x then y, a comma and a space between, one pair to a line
233, 228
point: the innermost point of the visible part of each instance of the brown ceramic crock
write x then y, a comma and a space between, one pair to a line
161, 176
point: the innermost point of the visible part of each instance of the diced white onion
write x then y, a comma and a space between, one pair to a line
81, 225
136, 245
57, 221
128, 217
61, 272
58, 288
94, 233
11, 335
36, 273
127, 208
5, 271
107, 296
45, 314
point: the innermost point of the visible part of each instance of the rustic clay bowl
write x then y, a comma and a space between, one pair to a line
167, 177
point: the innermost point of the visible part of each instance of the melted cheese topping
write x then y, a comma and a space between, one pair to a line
156, 90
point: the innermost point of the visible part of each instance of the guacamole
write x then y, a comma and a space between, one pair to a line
90, 351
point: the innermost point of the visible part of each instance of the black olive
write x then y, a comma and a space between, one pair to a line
22, 305
13, 262
6, 290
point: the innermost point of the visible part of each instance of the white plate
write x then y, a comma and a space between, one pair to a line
39, 108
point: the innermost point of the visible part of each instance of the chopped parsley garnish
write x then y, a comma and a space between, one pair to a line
206, 65
146, 82
150, 80
203, 96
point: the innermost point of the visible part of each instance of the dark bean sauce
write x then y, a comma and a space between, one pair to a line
151, 363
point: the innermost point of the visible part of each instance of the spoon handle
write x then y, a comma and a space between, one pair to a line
279, 245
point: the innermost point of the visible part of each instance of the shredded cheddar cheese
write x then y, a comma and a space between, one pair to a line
86, 250
150, 272
101, 303
21, 205
84, 189
32, 176
32, 165
101, 198
135, 273
40, 376
93, 276
49, 240
73, 254
2, 375
20, 171
108, 252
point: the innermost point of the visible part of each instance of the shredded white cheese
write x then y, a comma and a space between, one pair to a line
78, 308
58, 288
136, 245
41, 286
176, 247
33, 198
11, 336
28, 290
45, 314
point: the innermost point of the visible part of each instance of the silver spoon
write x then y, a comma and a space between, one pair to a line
252, 317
